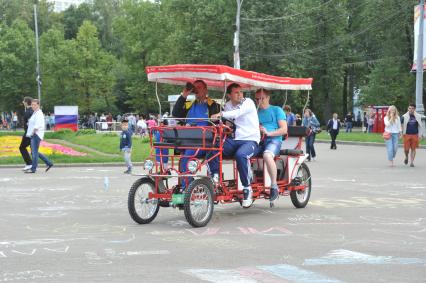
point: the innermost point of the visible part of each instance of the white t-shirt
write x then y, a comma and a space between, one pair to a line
393, 128
245, 119
36, 122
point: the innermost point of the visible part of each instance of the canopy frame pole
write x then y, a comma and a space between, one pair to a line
306, 104
285, 101
158, 98
223, 97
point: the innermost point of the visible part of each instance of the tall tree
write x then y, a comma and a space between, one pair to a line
17, 64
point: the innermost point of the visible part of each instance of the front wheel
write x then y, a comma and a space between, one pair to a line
198, 203
142, 209
300, 198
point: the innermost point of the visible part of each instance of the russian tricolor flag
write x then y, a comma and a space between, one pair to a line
66, 117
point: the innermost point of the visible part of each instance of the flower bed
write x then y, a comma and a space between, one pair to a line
9, 146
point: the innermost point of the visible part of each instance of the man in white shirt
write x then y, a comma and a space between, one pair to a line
36, 133
247, 136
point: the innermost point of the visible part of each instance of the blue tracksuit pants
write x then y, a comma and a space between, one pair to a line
242, 151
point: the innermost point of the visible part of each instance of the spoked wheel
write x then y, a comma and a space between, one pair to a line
300, 198
142, 209
198, 204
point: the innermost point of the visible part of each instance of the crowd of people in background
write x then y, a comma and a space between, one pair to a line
9, 121
12, 121
138, 123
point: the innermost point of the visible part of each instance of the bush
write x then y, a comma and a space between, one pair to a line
59, 134
145, 140
85, 132
110, 134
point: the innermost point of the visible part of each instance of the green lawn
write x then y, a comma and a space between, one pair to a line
357, 136
104, 143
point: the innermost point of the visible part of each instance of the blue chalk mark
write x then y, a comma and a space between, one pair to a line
349, 257
298, 275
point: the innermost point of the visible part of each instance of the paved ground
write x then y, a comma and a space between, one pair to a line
365, 222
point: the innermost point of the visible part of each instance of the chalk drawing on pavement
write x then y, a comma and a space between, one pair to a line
257, 274
28, 275
342, 256
109, 255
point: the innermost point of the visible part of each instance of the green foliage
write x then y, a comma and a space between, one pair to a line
17, 63
85, 132
60, 134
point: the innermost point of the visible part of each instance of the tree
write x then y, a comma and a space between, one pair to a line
73, 18
17, 64
94, 79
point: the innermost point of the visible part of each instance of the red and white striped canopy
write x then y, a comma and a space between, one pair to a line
219, 76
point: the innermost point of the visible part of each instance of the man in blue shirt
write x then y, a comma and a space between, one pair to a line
273, 126
202, 107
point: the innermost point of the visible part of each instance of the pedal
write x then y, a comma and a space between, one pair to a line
296, 181
164, 203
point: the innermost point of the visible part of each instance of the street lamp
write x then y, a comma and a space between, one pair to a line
38, 75
237, 36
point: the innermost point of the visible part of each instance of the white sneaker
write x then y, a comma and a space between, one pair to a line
248, 197
27, 167
215, 178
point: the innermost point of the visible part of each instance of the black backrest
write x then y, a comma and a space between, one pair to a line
297, 131
188, 137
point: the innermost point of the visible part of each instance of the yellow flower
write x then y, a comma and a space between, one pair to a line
9, 146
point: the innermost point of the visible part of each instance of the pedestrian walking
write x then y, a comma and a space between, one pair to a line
333, 127
370, 122
26, 141
35, 131
312, 123
126, 145
412, 130
392, 133
349, 122
14, 121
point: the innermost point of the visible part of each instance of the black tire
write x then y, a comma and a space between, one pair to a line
300, 198
144, 185
199, 186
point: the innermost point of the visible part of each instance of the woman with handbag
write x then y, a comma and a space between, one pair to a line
312, 123
392, 132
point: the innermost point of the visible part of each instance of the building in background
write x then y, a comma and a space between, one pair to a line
62, 5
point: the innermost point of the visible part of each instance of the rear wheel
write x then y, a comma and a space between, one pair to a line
300, 198
198, 204
142, 209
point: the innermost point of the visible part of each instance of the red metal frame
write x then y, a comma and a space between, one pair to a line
225, 190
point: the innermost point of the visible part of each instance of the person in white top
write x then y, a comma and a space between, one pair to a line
392, 126
247, 136
36, 133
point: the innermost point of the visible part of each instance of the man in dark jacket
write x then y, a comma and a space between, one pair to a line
202, 107
333, 127
26, 141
